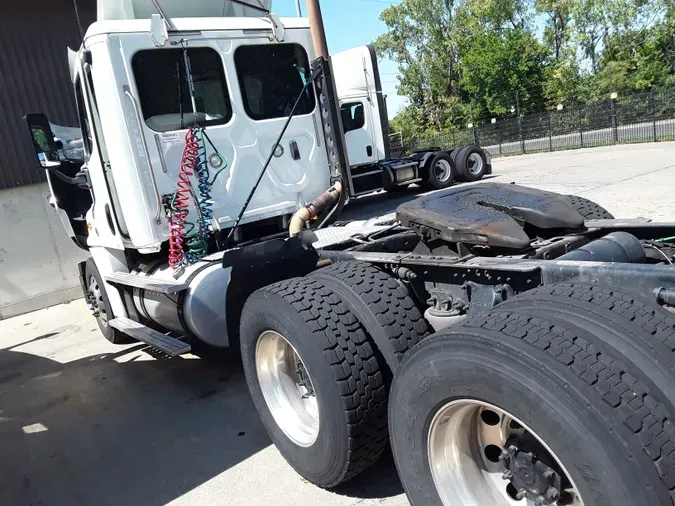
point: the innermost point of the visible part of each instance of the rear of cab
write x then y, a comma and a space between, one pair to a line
247, 75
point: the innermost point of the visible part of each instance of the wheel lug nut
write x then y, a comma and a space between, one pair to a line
512, 449
551, 493
520, 494
507, 475
503, 455
548, 473
540, 501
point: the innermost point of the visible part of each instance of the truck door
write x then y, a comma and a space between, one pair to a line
59, 151
357, 79
357, 122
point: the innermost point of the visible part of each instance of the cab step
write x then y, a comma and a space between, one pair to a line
167, 345
146, 283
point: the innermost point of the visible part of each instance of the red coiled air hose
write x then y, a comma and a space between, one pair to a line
179, 207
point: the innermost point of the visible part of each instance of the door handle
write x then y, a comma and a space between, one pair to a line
295, 152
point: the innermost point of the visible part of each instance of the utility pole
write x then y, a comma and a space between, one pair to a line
316, 27
298, 8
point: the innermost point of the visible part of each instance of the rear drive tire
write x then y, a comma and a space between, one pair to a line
382, 305
471, 163
439, 171
315, 379
579, 407
97, 299
639, 330
589, 209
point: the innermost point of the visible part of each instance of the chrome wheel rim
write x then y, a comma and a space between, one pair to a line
475, 164
471, 454
287, 388
96, 302
442, 171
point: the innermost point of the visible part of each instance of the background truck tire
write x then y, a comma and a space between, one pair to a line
345, 373
439, 171
382, 305
471, 163
589, 404
589, 209
97, 297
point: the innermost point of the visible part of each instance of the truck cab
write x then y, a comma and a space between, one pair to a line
246, 73
180, 112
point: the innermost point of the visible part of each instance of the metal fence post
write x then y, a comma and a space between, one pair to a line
615, 133
653, 99
454, 141
581, 131
499, 139
475, 135
550, 133
520, 136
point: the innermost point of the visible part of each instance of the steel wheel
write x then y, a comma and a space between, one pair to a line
480, 455
287, 388
96, 301
442, 171
475, 164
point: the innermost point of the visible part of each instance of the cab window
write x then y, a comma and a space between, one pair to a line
271, 78
164, 93
353, 116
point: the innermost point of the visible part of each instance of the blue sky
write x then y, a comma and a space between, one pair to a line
351, 23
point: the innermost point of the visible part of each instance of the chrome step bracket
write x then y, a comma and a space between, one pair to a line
166, 344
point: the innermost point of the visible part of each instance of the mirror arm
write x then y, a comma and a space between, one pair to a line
80, 178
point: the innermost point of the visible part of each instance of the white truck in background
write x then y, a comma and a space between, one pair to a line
365, 123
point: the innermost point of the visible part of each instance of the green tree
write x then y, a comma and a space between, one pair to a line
522, 64
638, 60
419, 40
463, 61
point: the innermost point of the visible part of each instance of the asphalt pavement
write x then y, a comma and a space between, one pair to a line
86, 422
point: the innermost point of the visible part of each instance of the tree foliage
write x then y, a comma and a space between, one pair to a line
463, 61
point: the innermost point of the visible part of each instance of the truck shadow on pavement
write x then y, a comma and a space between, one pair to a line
121, 428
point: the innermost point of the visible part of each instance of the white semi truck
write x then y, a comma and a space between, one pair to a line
217, 152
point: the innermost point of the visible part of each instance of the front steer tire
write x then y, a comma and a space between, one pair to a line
97, 297
344, 369
590, 405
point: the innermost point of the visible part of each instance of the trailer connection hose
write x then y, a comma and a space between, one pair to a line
269, 158
188, 241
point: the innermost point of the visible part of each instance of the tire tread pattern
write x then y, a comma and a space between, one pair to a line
353, 360
388, 301
639, 411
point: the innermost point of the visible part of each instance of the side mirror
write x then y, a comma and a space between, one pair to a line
44, 143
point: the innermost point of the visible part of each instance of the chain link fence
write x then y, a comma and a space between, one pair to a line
642, 117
